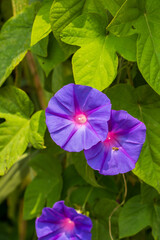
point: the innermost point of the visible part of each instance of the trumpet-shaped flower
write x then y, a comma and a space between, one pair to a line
77, 117
121, 149
63, 223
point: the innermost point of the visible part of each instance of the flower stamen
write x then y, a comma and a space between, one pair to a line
68, 224
115, 148
80, 119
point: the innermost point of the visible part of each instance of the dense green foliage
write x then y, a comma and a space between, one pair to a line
111, 45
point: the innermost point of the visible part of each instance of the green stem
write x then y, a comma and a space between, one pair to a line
88, 195
129, 76
120, 70
118, 206
86, 199
36, 80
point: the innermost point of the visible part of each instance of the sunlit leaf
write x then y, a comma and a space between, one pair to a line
17, 130
142, 17
113, 5
37, 130
15, 40
41, 26
95, 63
62, 13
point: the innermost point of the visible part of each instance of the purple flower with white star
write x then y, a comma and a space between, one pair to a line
77, 117
63, 223
121, 149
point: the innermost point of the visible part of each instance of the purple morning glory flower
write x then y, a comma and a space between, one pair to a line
63, 223
77, 117
121, 149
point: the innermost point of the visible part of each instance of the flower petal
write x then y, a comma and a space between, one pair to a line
48, 222
82, 138
83, 222
120, 154
96, 156
90, 98
59, 207
108, 161
55, 123
65, 96
83, 227
60, 236
49, 214
45, 228
63, 223
84, 235
70, 212
63, 136
117, 162
68, 103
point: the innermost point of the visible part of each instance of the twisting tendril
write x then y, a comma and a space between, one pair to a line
117, 207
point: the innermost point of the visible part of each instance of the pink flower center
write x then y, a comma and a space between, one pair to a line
110, 138
68, 224
111, 141
80, 118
